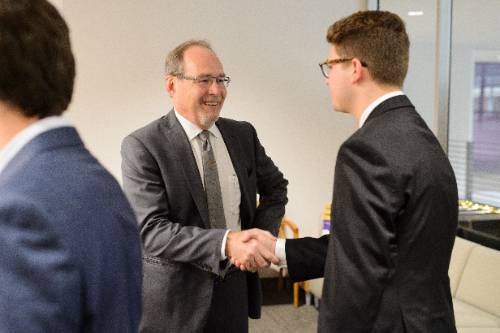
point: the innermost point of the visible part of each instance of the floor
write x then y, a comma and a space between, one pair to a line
279, 315
285, 319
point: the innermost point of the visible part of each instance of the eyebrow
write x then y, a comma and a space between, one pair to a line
205, 74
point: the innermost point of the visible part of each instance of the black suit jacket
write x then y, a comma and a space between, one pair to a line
393, 227
181, 254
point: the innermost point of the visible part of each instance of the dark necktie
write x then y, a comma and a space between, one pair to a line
212, 184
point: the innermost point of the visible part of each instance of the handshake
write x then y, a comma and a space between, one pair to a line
251, 249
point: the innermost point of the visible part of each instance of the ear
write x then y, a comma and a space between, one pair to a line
170, 84
358, 72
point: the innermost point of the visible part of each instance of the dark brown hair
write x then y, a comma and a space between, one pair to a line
174, 64
37, 68
379, 39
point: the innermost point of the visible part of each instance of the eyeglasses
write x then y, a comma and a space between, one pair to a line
327, 65
206, 81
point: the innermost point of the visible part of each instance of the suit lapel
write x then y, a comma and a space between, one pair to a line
176, 136
237, 158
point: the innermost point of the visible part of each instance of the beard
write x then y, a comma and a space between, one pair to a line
207, 120
208, 117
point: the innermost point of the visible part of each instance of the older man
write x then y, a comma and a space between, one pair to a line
193, 180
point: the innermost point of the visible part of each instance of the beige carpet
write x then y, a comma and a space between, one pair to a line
286, 318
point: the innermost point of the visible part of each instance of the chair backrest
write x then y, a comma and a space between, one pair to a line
287, 223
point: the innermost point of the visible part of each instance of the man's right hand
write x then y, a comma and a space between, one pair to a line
251, 249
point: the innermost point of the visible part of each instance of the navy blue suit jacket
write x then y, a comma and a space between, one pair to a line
70, 256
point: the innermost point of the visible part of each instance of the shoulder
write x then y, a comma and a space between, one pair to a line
153, 128
234, 124
243, 130
149, 136
394, 129
22, 214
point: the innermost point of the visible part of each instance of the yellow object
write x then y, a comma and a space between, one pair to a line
480, 208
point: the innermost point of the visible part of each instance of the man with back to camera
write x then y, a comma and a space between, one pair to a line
394, 210
70, 255
191, 177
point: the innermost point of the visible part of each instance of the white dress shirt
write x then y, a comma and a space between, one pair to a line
229, 185
26, 135
376, 103
279, 251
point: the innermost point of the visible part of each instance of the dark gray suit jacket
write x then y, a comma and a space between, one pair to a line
181, 253
70, 253
394, 219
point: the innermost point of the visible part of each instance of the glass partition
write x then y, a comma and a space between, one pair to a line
474, 145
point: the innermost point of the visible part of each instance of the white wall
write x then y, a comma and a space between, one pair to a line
419, 84
271, 50
57, 3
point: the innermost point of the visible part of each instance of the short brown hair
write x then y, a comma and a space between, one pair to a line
37, 68
174, 64
379, 39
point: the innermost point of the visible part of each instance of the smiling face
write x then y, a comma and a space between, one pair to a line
198, 103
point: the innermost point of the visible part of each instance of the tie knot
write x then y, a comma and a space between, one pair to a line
205, 143
204, 135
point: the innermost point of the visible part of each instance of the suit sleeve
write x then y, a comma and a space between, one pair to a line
40, 288
305, 257
162, 237
272, 190
367, 201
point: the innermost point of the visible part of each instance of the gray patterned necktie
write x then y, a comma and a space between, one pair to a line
212, 184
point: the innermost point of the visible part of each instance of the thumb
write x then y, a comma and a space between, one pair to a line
249, 235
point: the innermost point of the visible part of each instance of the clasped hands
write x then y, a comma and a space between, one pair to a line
251, 249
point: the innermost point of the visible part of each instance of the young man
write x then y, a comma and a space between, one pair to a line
394, 210
70, 255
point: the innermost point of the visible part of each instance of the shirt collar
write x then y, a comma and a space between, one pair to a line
22, 138
192, 130
376, 103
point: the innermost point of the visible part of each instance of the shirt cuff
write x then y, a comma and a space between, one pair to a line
223, 246
279, 251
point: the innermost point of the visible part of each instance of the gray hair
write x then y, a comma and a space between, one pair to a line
174, 63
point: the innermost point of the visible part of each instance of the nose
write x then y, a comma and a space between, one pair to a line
216, 88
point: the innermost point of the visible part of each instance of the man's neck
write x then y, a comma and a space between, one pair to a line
12, 121
368, 95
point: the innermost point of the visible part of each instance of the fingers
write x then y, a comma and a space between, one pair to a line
253, 256
269, 257
259, 234
259, 255
250, 257
238, 264
250, 249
